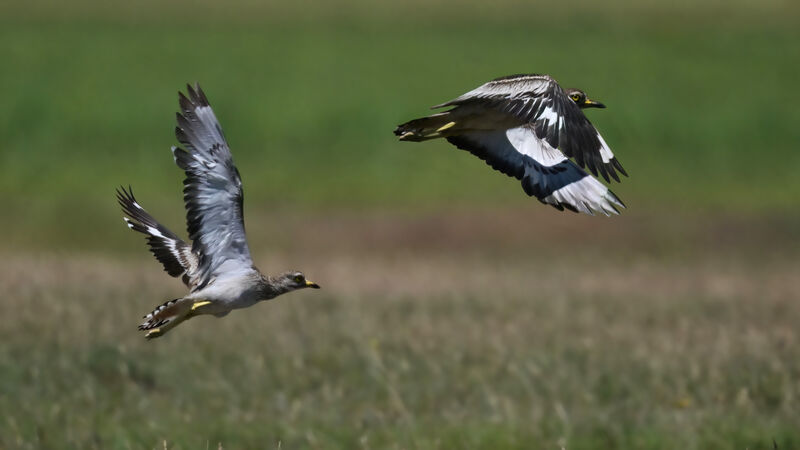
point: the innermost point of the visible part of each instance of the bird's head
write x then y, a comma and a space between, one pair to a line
294, 280
580, 99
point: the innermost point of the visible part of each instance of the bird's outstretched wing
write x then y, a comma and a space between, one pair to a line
544, 171
539, 100
212, 190
173, 253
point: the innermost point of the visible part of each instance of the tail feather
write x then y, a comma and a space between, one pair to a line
166, 316
425, 128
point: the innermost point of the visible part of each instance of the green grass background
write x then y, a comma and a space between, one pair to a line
685, 339
702, 109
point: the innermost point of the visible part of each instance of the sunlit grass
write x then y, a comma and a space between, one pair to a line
426, 350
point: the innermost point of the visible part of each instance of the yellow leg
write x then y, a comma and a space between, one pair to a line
445, 126
176, 320
162, 330
199, 304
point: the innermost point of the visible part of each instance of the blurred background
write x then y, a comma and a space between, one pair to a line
456, 312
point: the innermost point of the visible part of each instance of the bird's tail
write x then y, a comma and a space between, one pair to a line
430, 127
166, 317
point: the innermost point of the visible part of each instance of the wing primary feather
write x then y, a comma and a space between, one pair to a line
171, 251
618, 166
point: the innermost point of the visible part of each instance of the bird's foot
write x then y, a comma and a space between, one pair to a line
154, 333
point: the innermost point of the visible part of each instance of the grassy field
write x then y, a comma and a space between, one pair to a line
417, 341
456, 312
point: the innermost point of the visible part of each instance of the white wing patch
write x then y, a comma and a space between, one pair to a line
587, 195
524, 140
154, 231
605, 152
550, 115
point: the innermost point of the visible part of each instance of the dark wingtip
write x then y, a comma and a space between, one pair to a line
179, 133
617, 199
120, 196
568, 207
185, 103
618, 166
194, 97
201, 96
191, 91
125, 196
592, 168
603, 171
614, 175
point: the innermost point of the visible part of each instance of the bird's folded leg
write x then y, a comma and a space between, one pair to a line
199, 304
445, 126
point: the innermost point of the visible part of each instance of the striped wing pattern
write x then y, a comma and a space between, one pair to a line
213, 200
526, 126
540, 101
173, 253
212, 190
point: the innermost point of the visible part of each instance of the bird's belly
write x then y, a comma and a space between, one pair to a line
243, 302
224, 300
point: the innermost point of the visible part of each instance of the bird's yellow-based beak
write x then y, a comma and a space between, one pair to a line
593, 104
311, 284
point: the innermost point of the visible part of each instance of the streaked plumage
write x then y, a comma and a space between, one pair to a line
527, 126
216, 267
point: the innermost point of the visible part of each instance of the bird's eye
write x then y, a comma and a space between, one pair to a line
576, 97
298, 278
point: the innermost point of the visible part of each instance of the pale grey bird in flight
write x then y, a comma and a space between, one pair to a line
216, 267
527, 127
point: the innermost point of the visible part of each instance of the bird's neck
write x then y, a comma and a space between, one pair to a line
272, 288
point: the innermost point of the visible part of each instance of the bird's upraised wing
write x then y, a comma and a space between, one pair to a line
539, 100
212, 190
